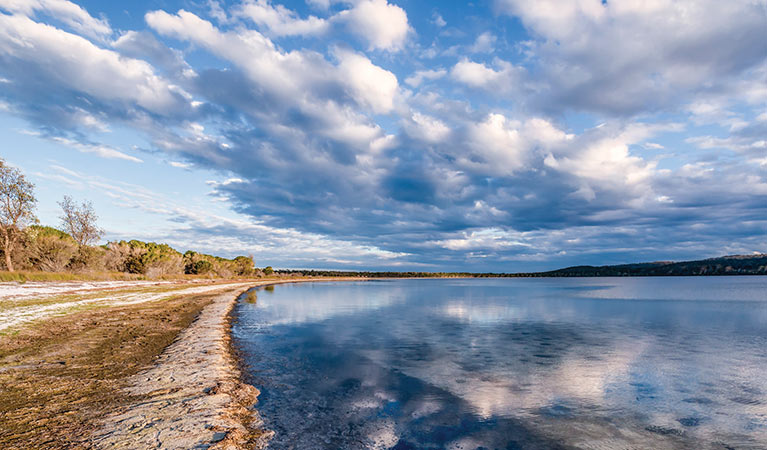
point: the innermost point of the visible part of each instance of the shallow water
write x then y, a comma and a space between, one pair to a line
510, 363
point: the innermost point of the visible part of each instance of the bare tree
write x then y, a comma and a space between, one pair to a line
79, 221
17, 208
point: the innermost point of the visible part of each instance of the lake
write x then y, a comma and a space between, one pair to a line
510, 363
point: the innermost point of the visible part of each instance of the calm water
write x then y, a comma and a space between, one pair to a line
515, 363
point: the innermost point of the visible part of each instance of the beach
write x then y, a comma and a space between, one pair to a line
134, 365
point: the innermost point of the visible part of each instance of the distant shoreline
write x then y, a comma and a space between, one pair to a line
720, 266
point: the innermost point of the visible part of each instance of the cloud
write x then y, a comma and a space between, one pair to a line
485, 43
372, 86
279, 20
71, 62
67, 12
437, 20
419, 76
476, 161
626, 57
383, 25
477, 75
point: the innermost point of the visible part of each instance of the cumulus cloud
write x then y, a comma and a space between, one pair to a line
420, 76
67, 12
472, 161
624, 57
372, 86
279, 20
383, 25
503, 78
69, 60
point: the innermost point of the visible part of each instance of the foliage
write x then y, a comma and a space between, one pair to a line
49, 249
244, 266
17, 209
147, 258
268, 271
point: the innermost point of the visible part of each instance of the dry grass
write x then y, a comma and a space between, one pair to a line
59, 377
23, 276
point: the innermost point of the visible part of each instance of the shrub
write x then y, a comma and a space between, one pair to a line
49, 249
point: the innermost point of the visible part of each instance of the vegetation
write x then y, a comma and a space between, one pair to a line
36, 249
17, 210
80, 221
725, 265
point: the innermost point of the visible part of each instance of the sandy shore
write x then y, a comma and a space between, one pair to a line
125, 366
193, 395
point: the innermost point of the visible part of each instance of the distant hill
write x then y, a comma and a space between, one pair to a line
724, 265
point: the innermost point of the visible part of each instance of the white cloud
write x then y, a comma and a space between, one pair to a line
487, 239
373, 87
180, 165
437, 20
77, 63
426, 128
281, 21
627, 56
498, 143
419, 76
477, 75
103, 151
382, 24
63, 10
485, 43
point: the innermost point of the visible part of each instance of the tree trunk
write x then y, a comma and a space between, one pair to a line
7, 251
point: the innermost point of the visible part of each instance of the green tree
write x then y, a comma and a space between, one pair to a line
244, 265
268, 270
17, 209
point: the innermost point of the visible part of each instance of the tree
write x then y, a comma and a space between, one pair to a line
79, 221
244, 265
17, 208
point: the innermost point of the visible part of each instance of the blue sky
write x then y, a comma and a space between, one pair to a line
498, 135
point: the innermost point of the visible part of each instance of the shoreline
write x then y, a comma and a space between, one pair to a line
195, 394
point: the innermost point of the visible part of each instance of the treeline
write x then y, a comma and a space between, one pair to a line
48, 249
26, 245
724, 265
371, 274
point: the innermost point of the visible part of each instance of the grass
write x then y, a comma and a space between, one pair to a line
23, 276
58, 377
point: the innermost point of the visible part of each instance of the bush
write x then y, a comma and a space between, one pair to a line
49, 249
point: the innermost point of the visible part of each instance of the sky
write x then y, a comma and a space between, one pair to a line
494, 135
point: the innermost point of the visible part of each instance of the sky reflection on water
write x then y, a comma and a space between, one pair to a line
528, 363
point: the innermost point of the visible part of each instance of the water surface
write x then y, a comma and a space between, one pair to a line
510, 363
